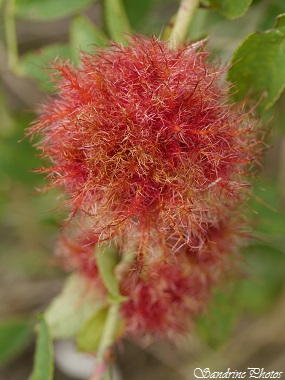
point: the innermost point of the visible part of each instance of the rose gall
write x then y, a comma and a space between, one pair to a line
144, 138
165, 296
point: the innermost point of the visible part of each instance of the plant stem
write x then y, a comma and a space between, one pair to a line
106, 342
11, 36
182, 22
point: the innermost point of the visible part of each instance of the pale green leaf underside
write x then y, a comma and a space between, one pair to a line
89, 337
69, 311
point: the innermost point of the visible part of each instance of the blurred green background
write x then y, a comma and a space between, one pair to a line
244, 325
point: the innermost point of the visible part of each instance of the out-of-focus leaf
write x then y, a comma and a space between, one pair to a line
35, 64
69, 311
116, 20
216, 326
46, 10
107, 260
17, 158
84, 35
258, 67
267, 216
278, 119
6, 121
90, 335
137, 10
273, 8
280, 21
14, 337
231, 8
43, 362
265, 271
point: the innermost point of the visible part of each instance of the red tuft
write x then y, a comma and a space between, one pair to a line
165, 294
78, 253
143, 137
172, 290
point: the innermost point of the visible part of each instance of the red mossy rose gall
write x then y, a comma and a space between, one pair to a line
165, 294
144, 137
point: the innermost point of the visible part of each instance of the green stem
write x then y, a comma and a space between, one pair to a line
110, 327
182, 22
107, 340
11, 36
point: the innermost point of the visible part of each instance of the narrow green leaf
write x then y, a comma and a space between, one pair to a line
231, 8
35, 64
43, 362
69, 311
14, 337
107, 260
89, 337
116, 19
84, 35
47, 10
258, 67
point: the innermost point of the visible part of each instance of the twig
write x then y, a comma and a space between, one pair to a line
182, 22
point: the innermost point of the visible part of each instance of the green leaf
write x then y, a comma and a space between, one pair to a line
258, 67
15, 335
267, 213
278, 121
69, 311
137, 10
231, 8
116, 19
265, 270
107, 260
280, 21
84, 35
35, 64
216, 326
43, 362
89, 337
47, 10
271, 10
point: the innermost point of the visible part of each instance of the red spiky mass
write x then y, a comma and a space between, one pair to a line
147, 147
144, 137
165, 296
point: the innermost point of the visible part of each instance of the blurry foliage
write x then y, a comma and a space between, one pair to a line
29, 222
14, 337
